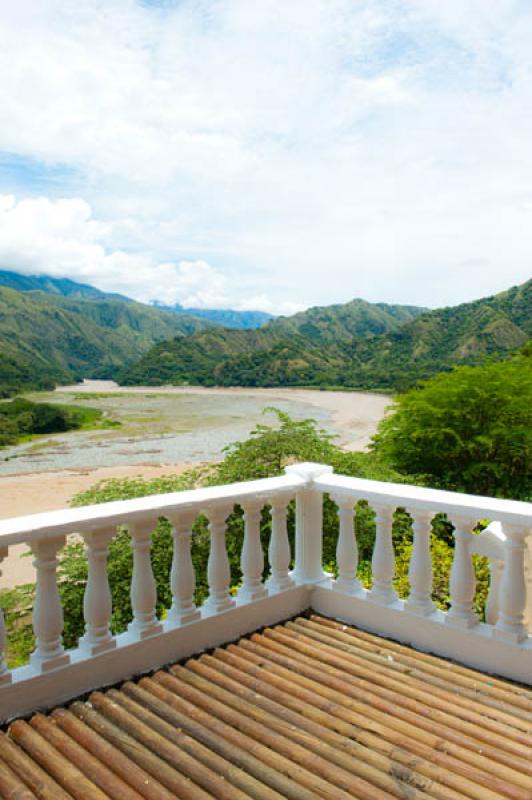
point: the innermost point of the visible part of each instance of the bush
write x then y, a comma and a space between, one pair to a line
469, 430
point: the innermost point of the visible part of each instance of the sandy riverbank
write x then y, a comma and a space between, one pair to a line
354, 417
49, 491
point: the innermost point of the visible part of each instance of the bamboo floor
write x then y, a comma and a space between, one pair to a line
308, 709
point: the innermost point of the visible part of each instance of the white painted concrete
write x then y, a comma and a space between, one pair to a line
503, 646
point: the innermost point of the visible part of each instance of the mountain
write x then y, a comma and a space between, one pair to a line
286, 350
49, 338
438, 340
356, 345
432, 342
58, 286
228, 317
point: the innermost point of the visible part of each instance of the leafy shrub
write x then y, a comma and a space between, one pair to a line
469, 430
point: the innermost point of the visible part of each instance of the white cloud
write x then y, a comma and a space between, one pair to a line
61, 238
311, 151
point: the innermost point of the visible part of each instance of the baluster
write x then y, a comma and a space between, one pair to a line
279, 549
513, 593
5, 675
183, 577
383, 561
143, 588
47, 609
252, 558
346, 548
420, 570
218, 568
97, 602
462, 582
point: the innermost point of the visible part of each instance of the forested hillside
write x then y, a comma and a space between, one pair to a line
58, 286
298, 349
51, 338
359, 345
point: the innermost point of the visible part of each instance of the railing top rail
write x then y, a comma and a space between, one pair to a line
85, 518
513, 512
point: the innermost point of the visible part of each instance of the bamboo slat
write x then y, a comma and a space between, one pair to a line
308, 710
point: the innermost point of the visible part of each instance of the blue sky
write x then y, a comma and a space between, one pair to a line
270, 155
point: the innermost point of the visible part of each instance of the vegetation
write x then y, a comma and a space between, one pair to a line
21, 419
469, 430
305, 349
356, 345
46, 339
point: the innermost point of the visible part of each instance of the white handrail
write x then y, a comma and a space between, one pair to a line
54, 675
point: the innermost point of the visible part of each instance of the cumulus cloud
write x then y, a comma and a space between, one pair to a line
61, 238
306, 152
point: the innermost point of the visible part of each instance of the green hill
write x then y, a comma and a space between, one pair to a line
358, 345
51, 338
286, 351
58, 286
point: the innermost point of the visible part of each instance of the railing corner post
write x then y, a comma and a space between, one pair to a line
309, 524
510, 624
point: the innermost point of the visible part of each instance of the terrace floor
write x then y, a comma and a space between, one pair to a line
308, 709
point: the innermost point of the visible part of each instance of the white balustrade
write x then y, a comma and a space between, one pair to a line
279, 549
420, 570
218, 567
252, 558
97, 602
346, 548
143, 588
513, 590
462, 582
383, 560
503, 648
182, 577
5, 675
47, 609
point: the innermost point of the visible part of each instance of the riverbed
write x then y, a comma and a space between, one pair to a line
162, 430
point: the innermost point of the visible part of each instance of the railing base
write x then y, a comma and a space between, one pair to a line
474, 647
30, 692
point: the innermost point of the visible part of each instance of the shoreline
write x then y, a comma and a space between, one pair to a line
354, 417
51, 491
358, 410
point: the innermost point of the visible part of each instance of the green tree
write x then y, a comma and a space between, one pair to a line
469, 430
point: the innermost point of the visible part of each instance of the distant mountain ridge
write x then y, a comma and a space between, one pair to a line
228, 317
357, 345
58, 286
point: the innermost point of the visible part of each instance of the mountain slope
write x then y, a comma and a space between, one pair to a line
57, 286
358, 345
432, 342
48, 338
286, 350
441, 339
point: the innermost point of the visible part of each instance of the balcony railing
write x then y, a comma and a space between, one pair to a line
502, 645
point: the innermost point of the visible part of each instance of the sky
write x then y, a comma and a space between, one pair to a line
268, 154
